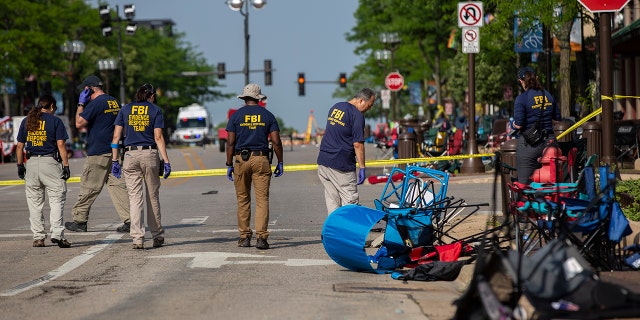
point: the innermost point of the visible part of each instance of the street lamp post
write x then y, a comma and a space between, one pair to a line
72, 51
107, 65
242, 6
391, 40
382, 56
105, 15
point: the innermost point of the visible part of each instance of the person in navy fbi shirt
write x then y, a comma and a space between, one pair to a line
526, 112
96, 112
44, 136
141, 122
341, 147
250, 129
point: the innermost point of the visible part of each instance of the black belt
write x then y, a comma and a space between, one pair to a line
129, 148
255, 153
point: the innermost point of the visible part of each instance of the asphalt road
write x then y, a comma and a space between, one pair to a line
200, 273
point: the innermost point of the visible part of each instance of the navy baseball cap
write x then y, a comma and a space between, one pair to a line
90, 81
523, 71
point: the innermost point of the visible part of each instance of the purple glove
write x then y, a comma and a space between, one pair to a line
85, 96
116, 169
167, 170
279, 169
230, 173
361, 176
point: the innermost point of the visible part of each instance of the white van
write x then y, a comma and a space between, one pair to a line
193, 126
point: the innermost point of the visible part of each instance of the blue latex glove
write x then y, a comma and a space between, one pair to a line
116, 169
66, 173
167, 170
512, 125
85, 96
21, 171
361, 176
230, 173
279, 169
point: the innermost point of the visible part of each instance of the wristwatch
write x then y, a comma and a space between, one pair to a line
229, 164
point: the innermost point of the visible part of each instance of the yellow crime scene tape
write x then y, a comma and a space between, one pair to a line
287, 168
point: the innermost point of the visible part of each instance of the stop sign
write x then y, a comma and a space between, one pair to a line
604, 5
394, 81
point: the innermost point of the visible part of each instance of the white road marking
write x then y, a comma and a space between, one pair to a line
194, 220
65, 268
215, 260
270, 230
74, 234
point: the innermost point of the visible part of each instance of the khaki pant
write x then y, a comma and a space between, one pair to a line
141, 173
97, 172
339, 187
256, 170
44, 175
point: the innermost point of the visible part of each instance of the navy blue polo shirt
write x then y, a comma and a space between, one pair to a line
45, 139
100, 113
345, 126
252, 125
138, 121
526, 110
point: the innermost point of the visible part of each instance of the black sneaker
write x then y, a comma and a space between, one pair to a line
61, 243
125, 227
158, 242
262, 244
244, 242
76, 226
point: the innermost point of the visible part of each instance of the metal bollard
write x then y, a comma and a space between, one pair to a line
407, 147
508, 158
561, 127
592, 131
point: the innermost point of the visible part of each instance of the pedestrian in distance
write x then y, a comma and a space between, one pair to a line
97, 112
249, 130
535, 102
141, 122
43, 136
341, 148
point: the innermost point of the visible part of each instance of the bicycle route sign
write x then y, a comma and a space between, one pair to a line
470, 14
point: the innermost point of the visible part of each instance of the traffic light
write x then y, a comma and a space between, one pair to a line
267, 73
343, 80
301, 82
221, 70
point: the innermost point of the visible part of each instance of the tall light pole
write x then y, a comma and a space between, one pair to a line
130, 13
242, 6
382, 56
391, 40
72, 51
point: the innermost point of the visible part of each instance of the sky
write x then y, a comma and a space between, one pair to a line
297, 35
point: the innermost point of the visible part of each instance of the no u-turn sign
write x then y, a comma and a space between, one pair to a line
470, 14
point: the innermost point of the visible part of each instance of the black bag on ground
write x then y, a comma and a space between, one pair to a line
433, 271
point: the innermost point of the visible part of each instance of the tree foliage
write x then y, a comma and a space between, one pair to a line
32, 32
425, 27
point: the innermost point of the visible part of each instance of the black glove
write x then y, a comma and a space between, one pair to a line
21, 170
66, 173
